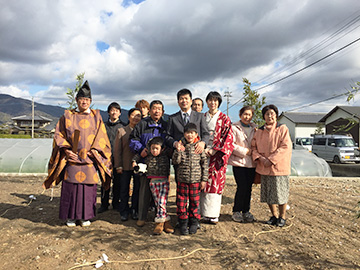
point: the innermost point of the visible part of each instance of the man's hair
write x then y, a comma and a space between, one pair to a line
114, 105
270, 107
156, 102
245, 108
183, 92
142, 103
202, 102
214, 95
132, 110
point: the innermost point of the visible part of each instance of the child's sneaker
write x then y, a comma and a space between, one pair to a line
248, 217
194, 224
85, 223
184, 230
71, 223
238, 217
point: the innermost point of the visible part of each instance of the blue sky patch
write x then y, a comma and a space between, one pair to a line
127, 3
102, 46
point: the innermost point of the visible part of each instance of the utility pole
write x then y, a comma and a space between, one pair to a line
32, 118
228, 96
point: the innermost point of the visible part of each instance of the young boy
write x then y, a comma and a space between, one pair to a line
192, 177
158, 171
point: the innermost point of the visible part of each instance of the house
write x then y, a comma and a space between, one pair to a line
343, 120
300, 124
23, 124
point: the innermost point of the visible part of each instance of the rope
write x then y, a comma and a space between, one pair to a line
147, 260
255, 234
31, 200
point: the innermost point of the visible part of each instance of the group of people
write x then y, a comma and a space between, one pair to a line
199, 146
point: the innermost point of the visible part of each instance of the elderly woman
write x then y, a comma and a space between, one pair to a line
271, 149
243, 165
218, 151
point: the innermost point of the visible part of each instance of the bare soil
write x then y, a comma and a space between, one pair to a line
322, 232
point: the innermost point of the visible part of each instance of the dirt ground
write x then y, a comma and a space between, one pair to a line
322, 232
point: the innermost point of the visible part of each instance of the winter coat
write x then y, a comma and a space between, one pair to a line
274, 144
156, 166
192, 168
242, 142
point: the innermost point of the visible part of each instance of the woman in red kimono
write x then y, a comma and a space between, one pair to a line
218, 151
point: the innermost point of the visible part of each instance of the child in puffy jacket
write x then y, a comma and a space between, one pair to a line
158, 171
192, 171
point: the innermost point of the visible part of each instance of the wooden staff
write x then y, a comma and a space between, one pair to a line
76, 140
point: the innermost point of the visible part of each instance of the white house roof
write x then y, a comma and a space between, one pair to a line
352, 110
28, 118
303, 117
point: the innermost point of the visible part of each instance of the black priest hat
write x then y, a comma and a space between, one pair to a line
84, 91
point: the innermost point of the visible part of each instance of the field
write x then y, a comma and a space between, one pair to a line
322, 232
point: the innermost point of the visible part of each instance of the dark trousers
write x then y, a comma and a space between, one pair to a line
124, 192
144, 197
244, 178
105, 194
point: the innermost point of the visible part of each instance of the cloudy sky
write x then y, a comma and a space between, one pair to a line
150, 49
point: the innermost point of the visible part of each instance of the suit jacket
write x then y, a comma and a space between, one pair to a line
176, 125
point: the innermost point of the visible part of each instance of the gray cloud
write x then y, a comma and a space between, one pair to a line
157, 48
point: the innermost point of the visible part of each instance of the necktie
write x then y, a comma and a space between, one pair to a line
186, 119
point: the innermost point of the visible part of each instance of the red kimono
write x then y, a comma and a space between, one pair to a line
223, 144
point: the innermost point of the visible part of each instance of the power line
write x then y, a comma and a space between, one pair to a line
302, 69
310, 65
318, 45
320, 101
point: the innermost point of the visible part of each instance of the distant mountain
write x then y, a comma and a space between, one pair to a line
11, 106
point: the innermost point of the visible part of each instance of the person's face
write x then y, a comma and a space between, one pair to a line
197, 105
114, 114
270, 117
83, 103
155, 149
190, 136
213, 104
185, 102
156, 112
246, 117
144, 111
134, 118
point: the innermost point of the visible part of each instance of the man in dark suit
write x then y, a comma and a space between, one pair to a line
177, 121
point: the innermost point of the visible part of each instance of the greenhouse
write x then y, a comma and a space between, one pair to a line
32, 156
24, 155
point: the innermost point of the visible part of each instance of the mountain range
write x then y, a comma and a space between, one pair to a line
11, 107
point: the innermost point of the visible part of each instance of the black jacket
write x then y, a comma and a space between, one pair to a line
111, 130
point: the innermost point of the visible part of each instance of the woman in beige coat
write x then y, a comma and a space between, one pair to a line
271, 149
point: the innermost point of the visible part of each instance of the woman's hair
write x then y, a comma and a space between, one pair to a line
132, 110
246, 108
270, 107
142, 103
215, 95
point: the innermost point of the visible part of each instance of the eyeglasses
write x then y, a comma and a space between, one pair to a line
84, 99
